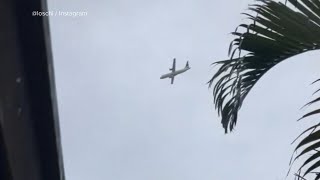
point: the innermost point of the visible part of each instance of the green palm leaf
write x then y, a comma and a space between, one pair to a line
275, 34
310, 144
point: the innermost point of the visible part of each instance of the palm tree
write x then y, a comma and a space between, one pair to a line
277, 32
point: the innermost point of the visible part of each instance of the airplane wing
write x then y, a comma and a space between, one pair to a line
173, 69
172, 79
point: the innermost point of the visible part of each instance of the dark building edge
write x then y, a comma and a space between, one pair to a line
38, 67
36, 97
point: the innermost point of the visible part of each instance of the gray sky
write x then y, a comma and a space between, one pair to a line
119, 121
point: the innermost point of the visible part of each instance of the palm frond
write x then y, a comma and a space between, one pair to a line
275, 34
310, 144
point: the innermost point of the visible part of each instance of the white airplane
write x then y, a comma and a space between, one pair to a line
173, 72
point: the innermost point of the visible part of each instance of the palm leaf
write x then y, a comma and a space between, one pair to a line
275, 34
310, 144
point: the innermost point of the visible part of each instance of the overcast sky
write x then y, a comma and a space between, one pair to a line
119, 121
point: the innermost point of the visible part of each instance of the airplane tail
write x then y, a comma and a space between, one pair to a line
187, 65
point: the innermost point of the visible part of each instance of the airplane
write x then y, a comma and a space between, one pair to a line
173, 72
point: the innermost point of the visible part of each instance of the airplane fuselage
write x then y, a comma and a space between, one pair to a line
172, 74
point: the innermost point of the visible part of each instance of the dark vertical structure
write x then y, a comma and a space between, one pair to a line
30, 147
